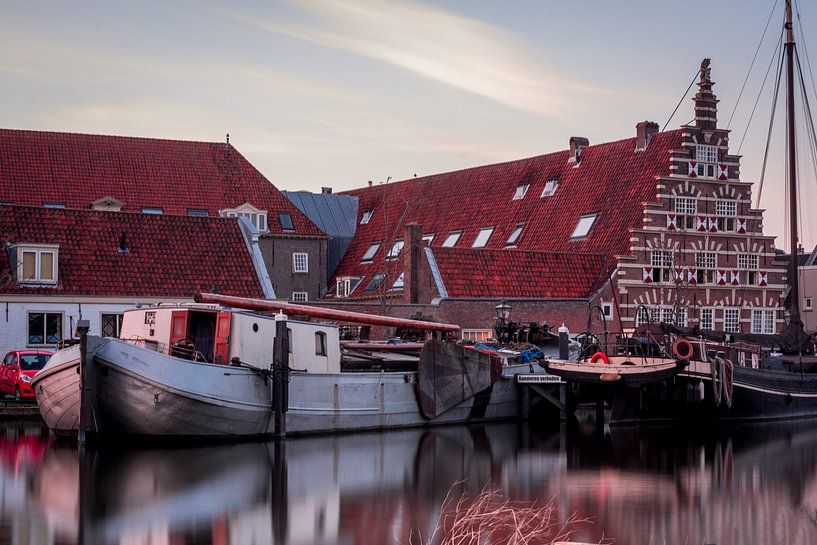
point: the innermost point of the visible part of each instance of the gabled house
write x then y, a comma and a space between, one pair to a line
58, 266
159, 177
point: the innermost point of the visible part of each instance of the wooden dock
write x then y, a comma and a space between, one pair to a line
542, 387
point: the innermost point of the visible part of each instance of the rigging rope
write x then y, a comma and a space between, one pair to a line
805, 49
771, 126
691, 83
752, 64
762, 85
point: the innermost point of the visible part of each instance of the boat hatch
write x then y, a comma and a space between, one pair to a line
202, 335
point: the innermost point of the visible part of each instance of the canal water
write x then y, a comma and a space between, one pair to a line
737, 486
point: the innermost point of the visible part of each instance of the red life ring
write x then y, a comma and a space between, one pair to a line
682, 349
599, 356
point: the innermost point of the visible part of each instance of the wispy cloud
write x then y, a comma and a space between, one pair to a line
464, 53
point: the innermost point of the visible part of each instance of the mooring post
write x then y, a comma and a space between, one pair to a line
564, 343
87, 386
280, 375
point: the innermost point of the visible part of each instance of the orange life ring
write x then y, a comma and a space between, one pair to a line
599, 356
682, 349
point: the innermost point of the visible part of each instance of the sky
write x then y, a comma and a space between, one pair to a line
339, 93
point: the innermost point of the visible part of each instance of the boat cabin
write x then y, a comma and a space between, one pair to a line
217, 335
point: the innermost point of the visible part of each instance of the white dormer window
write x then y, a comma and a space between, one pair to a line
367, 215
369, 255
300, 262
257, 217
550, 188
37, 264
521, 189
452, 239
345, 285
584, 225
515, 234
398, 284
482, 237
394, 253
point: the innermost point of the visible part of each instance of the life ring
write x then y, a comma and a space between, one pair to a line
599, 356
682, 349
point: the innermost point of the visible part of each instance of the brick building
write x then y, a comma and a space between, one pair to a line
660, 219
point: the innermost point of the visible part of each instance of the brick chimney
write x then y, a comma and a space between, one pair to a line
706, 104
413, 237
644, 131
576, 145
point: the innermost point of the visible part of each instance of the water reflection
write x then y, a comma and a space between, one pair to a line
746, 485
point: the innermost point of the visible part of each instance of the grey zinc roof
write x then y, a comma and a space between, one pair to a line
336, 215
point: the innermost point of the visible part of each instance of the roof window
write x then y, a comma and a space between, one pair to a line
584, 225
550, 188
521, 189
286, 221
257, 217
152, 210
47, 204
369, 255
452, 239
398, 284
429, 238
375, 282
482, 237
395, 249
200, 212
367, 215
515, 234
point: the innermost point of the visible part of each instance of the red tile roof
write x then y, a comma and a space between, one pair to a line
168, 256
612, 180
516, 273
78, 169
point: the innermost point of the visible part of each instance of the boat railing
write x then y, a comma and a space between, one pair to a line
150, 344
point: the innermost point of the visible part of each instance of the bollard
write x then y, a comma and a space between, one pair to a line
564, 343
280, 375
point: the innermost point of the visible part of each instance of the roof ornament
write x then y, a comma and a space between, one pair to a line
228, 139
705, 77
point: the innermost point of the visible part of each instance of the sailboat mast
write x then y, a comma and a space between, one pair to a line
793, 262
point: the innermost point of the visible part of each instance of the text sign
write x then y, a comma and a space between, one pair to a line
538, 378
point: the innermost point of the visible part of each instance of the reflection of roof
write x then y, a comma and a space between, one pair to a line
77, 169
334, 214
170, 256
612, 181
514, 273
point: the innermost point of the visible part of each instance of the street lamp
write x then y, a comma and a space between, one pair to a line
503, 312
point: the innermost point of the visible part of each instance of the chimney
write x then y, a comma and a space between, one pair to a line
644, 132
370, 183
326, 190
706, 104
413, 237
576, 145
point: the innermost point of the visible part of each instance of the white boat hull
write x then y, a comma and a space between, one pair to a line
57, 388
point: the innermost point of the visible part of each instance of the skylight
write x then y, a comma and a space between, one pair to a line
398, 284
395, 250
377, 279
584, 225
286, 221
515, 234
452, 239
369, 255
367, 215
429, 238
550, 188
482, 237
521, 189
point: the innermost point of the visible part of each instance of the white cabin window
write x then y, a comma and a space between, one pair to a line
452, 239
370, 251
300, 262
584, 225
320, 343
299, 297
521, 189
394, 253
731, 320
44, 328
482, 237
550, 188
515, 234
37, 264
367, 215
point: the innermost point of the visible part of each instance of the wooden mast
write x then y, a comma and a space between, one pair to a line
793, 259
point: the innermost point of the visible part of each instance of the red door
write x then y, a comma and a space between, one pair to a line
178, 326
221, 352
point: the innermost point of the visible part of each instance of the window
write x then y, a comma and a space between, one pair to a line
255, 216
642, 316
37, 265
369, 255
731, 320
521, 189
726, 212
320, 343
44, 328
661, 261
152, 210
482, 237
111, 325
452, 239
705, 263
607, 309
398, 284
346, 285
299, 297
706, 157
584, 225
763, 321
808, 303
286, 221
300, 262
394, 253
550, 188
515, 234
367, 215
375, 282
429, 238
476, 335
47, 204
749, 262
707, 319
685, 210
200, 212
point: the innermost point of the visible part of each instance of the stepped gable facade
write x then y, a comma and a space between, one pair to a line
165, 177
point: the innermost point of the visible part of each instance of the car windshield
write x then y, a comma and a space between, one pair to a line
33, 362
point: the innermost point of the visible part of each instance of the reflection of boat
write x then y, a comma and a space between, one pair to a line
57, 389
208, 371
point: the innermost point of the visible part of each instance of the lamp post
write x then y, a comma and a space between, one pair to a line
503, 312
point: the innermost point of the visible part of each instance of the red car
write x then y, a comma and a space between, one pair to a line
18, 368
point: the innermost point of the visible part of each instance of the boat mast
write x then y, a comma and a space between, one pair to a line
793, 260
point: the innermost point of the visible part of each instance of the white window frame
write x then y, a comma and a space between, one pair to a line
367, 216
584, 226
477, 335
452, 238
807, 303
345, 285
258, 218
521, 191
429, 238
483, 237
38, 250
300, 262
748, 262
763, 321
396, 248
705, 153
706, 260
608, 310
299, 297
371, 251
686, 206
550, 188
320, 343
726, 208
706, 319
731, 320
399, 283
515, 235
